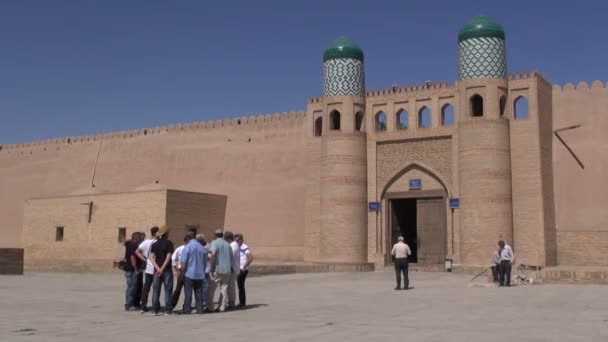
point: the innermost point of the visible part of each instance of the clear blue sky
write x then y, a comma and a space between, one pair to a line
83, 67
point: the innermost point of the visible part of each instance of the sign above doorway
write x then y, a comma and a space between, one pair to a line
455, 203
415, 184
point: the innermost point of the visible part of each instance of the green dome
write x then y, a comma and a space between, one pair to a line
481, 26
343, 48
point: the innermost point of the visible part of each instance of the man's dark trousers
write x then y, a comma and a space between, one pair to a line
166, 280
401, 265
139, 288
495, 272
505, 273
240, 280
196, 285
148, 280
178, 290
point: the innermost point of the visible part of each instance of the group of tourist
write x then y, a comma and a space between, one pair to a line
200, 268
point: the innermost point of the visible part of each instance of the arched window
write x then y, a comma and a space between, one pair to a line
521, 108
334, 120
359, 121
424, 117
402, 119
503, 106
318, 127
381, 122
476, 105
447, 115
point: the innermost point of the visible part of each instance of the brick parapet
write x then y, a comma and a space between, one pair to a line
250, 122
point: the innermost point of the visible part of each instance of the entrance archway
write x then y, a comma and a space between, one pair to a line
416, 208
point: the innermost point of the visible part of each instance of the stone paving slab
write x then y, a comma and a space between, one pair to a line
306, 307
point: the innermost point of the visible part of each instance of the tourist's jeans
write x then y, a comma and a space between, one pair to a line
241, 282
196, 285
166, 280
131, 289
148, 279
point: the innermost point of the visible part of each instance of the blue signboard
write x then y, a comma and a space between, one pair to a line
415, 184
454, 203
374, 206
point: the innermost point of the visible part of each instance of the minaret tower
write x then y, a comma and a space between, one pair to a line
483, 141
343, 174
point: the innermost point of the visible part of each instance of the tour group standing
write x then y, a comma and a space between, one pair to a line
200, 269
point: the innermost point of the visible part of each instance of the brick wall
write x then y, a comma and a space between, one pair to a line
582, 248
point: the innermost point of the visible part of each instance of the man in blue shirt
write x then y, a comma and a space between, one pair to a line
194, 262
220, 270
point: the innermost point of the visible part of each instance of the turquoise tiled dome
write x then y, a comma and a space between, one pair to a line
481, 26
343, 48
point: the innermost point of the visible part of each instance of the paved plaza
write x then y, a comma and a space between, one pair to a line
310, 307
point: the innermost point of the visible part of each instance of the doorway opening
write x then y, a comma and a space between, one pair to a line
404, 224
422, 222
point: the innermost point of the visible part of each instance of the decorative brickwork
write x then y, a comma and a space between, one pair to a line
344, 76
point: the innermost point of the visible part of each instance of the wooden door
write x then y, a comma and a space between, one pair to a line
431, 227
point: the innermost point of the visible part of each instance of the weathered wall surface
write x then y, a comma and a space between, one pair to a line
193, 210
86, 246
258, 163
581, 192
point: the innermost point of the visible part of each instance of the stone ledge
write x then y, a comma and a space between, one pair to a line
289, 268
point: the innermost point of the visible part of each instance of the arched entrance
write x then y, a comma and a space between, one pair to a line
416, 202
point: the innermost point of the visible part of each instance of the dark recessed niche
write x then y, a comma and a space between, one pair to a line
238, 121
69, 141
145, 132
249, 140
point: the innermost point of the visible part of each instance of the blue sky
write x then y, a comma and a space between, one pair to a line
80, 67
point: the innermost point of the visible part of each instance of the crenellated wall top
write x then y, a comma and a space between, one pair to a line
244, 122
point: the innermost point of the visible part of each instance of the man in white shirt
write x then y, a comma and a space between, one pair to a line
506, 259
143, 253
175, 261
236, 251
400, 252
246, 258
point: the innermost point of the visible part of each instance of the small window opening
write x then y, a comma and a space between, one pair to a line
69, 141
318, 127
359, 121
424, 117
381, 122
402, 119
334, 120
145, 132
503, 105
59, 233
521, 108
447, 115
476, 104
122, 234
238, 121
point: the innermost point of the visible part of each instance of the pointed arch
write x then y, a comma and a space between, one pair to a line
380, 121
402, 119
447, 115
521, 108
318, 127
417, 166
424, 117
359, 121
503, 105
334, 120
476, 105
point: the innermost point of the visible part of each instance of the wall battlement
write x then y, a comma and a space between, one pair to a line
241, 122
581, 86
